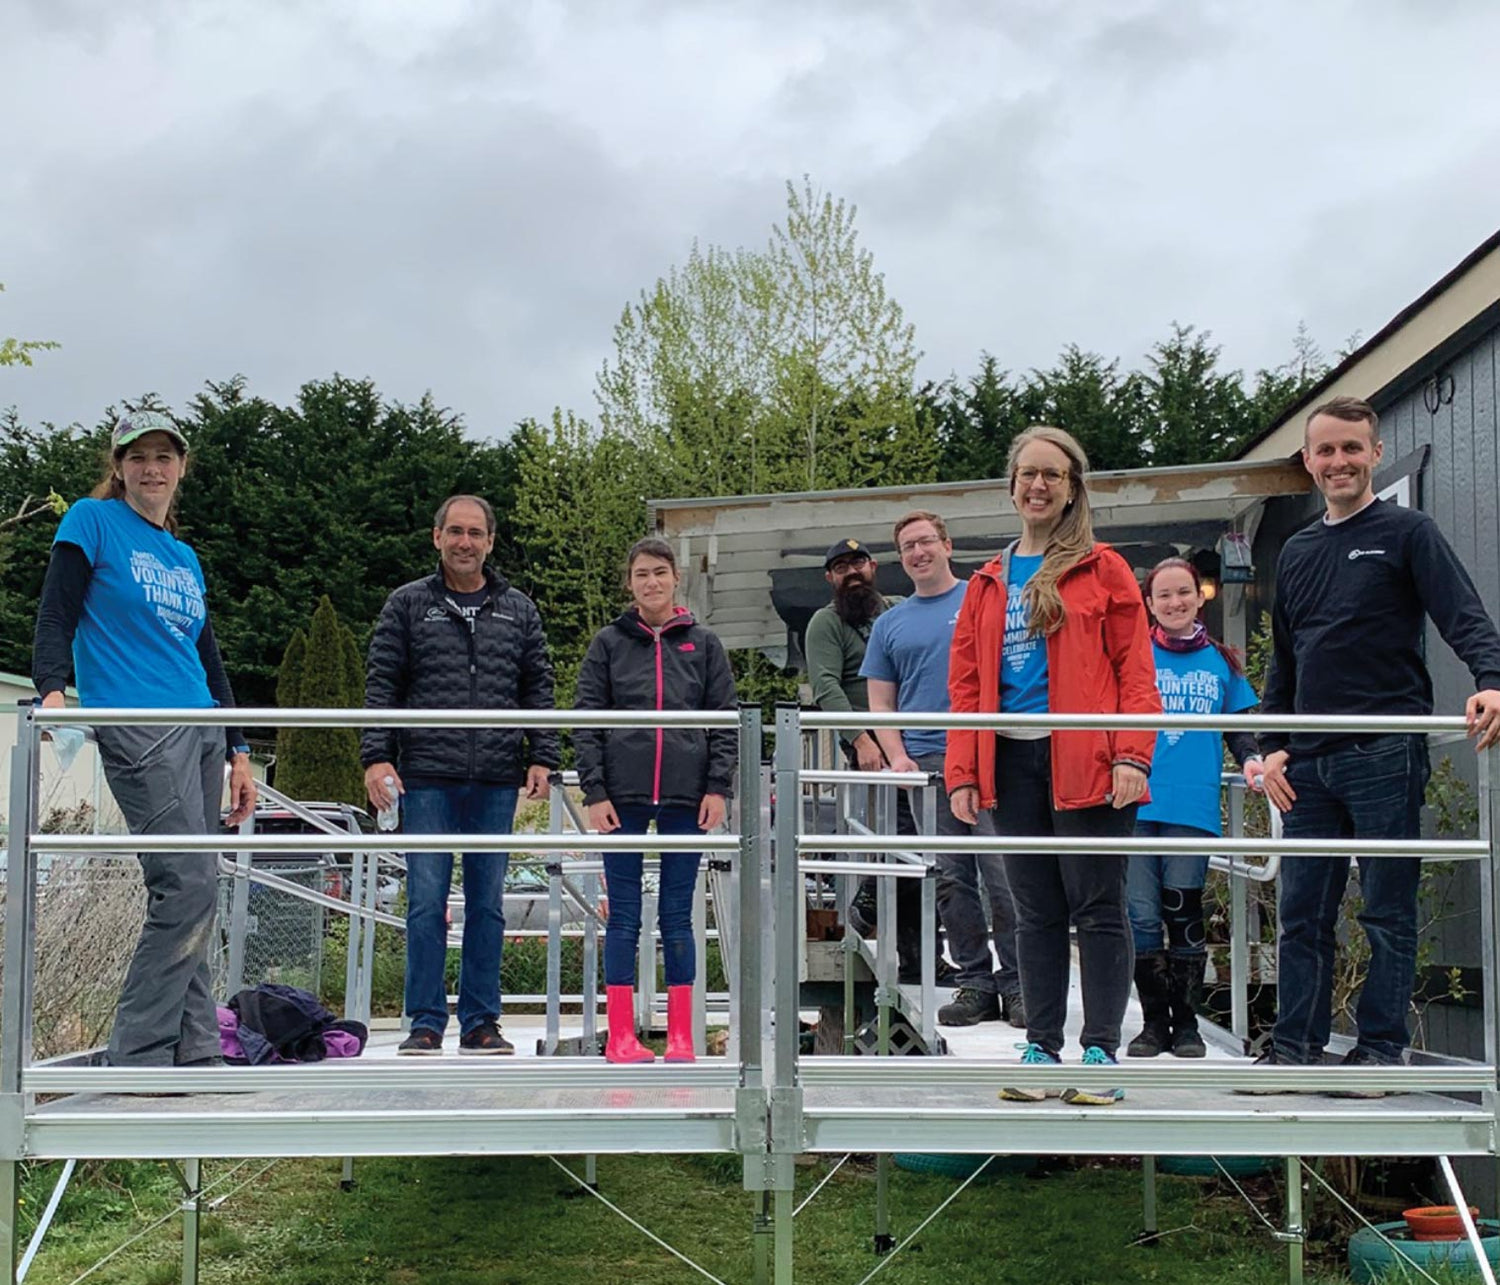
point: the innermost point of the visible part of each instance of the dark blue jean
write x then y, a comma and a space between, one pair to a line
1371, 790
679, 874
468, 808
1146, 876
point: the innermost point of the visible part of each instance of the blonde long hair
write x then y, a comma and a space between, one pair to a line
1072, 539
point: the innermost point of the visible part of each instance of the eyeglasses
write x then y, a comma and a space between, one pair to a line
1051, 476
921, 542
848, 564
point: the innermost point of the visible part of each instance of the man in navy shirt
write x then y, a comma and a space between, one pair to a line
1353, 591
906, 663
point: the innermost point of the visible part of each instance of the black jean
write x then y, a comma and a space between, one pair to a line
1052, 890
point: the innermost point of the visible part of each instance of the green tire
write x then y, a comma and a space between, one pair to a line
1205, 1166
1374, 1259
962, 1166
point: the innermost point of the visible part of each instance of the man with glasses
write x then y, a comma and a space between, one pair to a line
906, 664
461, 638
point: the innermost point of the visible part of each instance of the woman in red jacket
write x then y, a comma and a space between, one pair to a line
1056, 624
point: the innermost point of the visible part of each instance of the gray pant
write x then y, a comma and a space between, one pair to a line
168, 780
962, 908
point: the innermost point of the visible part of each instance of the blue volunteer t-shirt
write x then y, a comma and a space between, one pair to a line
909, 647
1023, 655
1186, 767
137, 640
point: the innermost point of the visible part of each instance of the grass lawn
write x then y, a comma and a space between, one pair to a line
508, 1221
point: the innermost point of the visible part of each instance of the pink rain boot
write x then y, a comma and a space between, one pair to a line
680, 1024
623, 1045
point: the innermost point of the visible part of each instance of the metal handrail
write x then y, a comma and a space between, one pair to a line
254, 716
1444, 849
1410, 724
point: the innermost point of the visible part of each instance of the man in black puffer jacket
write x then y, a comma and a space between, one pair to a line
459, 639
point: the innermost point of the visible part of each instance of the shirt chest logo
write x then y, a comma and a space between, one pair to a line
1356, 554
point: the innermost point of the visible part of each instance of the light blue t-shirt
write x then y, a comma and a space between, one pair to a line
1023, 655
1186, 767
136, 645
909, 646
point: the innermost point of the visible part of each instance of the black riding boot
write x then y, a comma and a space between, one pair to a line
1151, 983
1186, 974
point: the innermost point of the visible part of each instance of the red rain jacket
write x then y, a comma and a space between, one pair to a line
1099, 662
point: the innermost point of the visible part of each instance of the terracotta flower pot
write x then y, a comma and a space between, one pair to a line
1437, 1222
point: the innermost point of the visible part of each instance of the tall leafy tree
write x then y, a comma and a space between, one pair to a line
789, 368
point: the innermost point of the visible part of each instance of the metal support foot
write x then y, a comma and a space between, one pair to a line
192, 1217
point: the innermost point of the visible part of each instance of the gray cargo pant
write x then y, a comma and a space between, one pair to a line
168, 780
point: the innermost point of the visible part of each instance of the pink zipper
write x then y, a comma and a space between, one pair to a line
656, 778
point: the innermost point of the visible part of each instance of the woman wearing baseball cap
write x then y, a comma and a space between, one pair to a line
123, 612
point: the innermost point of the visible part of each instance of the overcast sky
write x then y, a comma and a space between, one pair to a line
461, 196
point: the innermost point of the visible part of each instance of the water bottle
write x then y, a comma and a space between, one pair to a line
388, 817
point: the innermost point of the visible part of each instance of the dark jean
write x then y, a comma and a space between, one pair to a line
1369, 790
1146, 876
471, 807
679, 875
1052, 890
961, 907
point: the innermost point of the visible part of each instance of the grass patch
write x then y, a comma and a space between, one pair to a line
511, 1221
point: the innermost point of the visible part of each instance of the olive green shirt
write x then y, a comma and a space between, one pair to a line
835, 652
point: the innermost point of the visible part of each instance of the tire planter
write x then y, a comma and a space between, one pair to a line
1372, 1259
1205, 1166
941, 1165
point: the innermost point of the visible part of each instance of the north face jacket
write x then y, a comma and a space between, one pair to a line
425, 655
631, 665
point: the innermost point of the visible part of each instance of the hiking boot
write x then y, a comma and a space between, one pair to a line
1361, 1056
863, 911
969, 1007
1013, 1009
1152, 984
1032, 1055
1269, 1058
485, 1040
1094, 1056
422, 1042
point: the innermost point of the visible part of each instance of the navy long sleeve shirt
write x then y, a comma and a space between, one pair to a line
1348, 621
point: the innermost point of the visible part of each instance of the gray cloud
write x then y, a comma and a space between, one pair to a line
462, 196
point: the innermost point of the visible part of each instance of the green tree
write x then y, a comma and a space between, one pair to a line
785, 369
17, 352
580, 505
319, 762
1193, 411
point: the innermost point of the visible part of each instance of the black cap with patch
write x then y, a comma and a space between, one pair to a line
845, 549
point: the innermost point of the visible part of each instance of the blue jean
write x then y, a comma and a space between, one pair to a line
679, 874
470, 808
1371, 790
1146, 876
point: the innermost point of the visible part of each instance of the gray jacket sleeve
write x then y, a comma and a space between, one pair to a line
588, 742
723, 742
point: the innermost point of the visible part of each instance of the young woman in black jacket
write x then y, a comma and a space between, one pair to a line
654, 656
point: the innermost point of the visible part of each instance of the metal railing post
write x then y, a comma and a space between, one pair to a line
1489, 916
554, 959
239, 917
591, 967
16, 1005
929, 923
786, 1096
700, 974
1295, 1234
1239, 943
192, 1218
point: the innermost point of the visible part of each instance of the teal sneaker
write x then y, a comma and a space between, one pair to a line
1031, 1055
1094, 1056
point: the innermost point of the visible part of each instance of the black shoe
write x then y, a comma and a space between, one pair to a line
1361, 1056
970, 1007
1270, 1058
485, 1040
422, 1042
1013, 1009
862, 911
1187, 1042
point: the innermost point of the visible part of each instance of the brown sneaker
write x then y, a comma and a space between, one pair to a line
485, 1040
